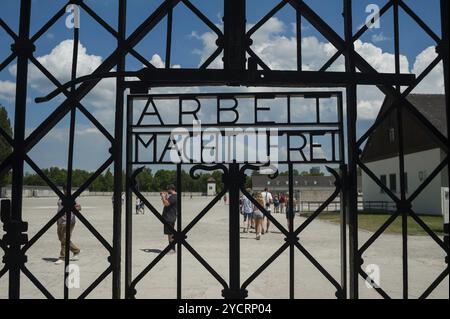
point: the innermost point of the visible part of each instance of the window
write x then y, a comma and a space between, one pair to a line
393, 182
383, 180
392, 135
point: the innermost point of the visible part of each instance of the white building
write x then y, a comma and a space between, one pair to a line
211, 187
423, 154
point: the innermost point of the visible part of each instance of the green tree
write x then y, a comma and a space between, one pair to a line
145, 180
5, 147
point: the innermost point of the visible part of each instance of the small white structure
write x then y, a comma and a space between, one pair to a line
211, 187
422, 153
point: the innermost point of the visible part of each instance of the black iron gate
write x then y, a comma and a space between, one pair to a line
235, 44
143, 137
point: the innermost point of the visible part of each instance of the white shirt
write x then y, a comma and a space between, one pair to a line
62, 219
267, 197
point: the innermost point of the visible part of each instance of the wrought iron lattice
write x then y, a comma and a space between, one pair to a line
234, 43
234, 182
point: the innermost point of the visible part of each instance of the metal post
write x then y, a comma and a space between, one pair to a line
444, 48
352, 189
401, 156
179, 229
234, 240
291, 231
128, 203
117, 148
234, 56
24, 47
69, 212
343, 199
298, 17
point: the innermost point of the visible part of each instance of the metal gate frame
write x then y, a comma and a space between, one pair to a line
235, 43
234, 178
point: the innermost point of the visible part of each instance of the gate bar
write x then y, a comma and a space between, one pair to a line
352, 178
149, 78
234, 56
444, 51
129, 196
234, 233
23, 46
117, 149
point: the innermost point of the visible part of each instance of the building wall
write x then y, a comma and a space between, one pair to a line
305, 194
429, 201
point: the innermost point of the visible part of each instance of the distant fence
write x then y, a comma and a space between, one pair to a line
312, 206
31, 192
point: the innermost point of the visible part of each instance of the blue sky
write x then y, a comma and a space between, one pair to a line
191, 41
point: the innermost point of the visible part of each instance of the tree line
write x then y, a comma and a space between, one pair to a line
147, 181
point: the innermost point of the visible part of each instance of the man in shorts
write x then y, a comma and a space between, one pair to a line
170, 213
61, 231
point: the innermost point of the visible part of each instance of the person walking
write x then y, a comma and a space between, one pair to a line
258, 216
247, 210
61, 231
288, 211
276, 205
139, 206
170, 213
282, 203
268, 201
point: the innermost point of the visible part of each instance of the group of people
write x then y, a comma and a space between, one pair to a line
280, 202
169, 201
254, 218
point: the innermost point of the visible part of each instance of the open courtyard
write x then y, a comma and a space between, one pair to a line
210, 239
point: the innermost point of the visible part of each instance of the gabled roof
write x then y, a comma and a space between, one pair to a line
417, 137
432, 106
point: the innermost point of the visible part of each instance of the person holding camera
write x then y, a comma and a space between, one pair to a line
169, 200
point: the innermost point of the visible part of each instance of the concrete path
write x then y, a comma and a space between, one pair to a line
210, 239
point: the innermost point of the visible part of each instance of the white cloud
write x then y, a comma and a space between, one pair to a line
279, 51
59, 63
383, 62
208, 40
158, 62
434, 82
7, 90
